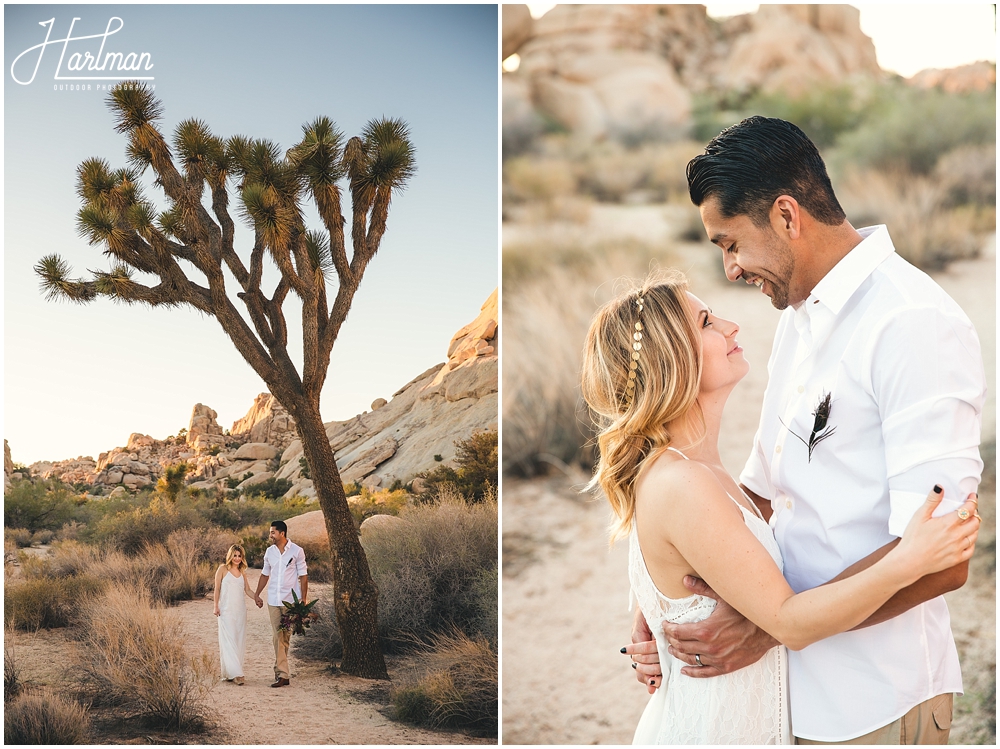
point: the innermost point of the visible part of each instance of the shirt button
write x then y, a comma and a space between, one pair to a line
788, 503
777, 449
802, 388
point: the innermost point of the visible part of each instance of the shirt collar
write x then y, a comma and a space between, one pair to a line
837, 286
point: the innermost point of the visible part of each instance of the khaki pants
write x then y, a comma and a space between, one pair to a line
281, 638
927, 723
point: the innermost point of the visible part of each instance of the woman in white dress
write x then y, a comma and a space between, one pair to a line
658, 369
231, 585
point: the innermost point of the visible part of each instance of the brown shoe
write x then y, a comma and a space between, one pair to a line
238, 681
281, 682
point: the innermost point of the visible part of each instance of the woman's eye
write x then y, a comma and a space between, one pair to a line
707, 322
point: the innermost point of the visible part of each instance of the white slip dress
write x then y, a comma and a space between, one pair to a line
232, 626
749, 706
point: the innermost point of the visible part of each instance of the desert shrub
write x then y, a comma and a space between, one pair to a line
319, 561
823, 112
537, 178
137, 657
20, 537
250, 510
70, 531
433, 573
477, 461
382, 502
923, 231
11, 668
352, 488
209, 544
454, 684
272, 488
41, 505
42, 537
968, 176
43, 717
71, 558
47, 602
131, 530
255, 543
304, 468
908, 129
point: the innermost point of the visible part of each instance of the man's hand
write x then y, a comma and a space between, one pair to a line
645, 658
726, 641
260, 603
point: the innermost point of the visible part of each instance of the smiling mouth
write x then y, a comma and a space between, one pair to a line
754, 281
735, 349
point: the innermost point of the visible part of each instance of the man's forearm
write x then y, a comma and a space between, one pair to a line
304, 582
261, 584
926, 588
764, 505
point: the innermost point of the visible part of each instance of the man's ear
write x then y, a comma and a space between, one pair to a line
786, 217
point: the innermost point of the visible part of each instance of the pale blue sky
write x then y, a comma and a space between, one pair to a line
79, 379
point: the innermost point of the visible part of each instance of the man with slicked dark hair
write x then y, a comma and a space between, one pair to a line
875, 392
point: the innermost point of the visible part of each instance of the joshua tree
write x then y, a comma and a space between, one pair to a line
271, 190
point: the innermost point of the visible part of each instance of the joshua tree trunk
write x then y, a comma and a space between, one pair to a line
356, 599
272, 189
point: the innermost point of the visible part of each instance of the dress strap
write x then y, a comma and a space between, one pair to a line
674, 449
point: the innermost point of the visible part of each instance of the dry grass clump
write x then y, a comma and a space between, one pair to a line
381, 502
47, 602
21, 537
136, 656
11, 668
43, 717
923, 228
435, 571
454, 684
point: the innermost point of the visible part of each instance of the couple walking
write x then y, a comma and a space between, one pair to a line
284, 571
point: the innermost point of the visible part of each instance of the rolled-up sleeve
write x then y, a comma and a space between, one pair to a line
927, 377
300, 562
266, 569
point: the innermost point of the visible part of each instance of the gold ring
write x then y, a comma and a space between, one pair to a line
963, 514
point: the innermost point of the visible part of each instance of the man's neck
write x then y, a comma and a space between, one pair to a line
281, 545
827, 246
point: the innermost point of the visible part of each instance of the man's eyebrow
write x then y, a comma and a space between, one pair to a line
718, 237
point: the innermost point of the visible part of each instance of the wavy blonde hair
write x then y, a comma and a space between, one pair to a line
667, 383
243, 556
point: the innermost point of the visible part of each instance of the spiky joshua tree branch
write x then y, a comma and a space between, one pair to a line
272, 190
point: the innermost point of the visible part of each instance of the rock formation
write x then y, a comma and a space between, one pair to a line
397, 439
629, 71
979, 76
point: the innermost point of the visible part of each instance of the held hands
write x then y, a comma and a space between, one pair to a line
260, 603
642, 651
932, 544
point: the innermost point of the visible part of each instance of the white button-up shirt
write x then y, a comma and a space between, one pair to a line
903, 367
284, 570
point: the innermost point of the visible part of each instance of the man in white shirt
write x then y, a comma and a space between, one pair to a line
284, 571
875, 394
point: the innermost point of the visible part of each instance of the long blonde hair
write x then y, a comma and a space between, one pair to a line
666, 383
243, 556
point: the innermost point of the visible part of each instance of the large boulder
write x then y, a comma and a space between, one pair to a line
256, 451
267, 421
308, 528
203, 421
517, 26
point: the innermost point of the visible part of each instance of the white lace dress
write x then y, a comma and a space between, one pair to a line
749, 706
232, 626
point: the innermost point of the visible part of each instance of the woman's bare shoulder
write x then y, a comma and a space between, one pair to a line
673, 484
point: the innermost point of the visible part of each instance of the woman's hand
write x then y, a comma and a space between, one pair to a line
217, 612
932, 544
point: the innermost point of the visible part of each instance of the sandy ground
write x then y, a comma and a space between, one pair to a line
565, 601
319, 707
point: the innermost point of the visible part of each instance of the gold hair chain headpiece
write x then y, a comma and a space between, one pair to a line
633, 367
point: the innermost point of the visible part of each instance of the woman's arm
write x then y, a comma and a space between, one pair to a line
218, 584
685, 505
246, 584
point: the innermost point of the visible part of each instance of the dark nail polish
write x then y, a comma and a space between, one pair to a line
622, 650
633, 664
937, 489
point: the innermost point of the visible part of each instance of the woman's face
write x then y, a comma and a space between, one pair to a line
723, 364
237, 558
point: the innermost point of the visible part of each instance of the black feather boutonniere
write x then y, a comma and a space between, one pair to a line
820, 430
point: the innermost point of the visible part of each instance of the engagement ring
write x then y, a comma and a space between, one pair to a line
697, 659
963, 514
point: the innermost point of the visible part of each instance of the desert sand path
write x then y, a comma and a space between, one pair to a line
319, 707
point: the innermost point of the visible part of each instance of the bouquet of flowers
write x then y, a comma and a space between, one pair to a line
298, 616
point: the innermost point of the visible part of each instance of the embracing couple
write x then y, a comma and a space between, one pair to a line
284, 571
802, 602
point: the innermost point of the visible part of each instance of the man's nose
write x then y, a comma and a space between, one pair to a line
733, 270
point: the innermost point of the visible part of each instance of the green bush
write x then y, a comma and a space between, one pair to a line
131, 530
477, 461
42, 505
20, 537
823, 113
272, 488
383, 502
43, 717
319, 561
454, 684
908, 128
253, 510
